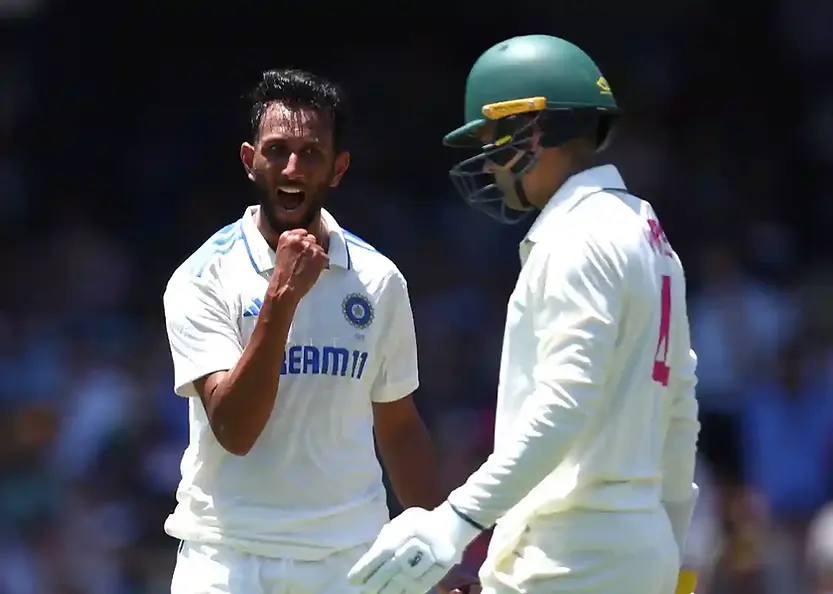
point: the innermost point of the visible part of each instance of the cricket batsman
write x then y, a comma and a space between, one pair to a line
590, 485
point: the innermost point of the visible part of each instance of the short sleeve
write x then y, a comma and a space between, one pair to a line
201, 331
399, 373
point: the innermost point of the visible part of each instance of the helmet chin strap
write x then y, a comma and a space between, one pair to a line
520, 194
510, 181
511, 184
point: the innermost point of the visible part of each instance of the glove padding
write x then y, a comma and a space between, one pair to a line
413, 552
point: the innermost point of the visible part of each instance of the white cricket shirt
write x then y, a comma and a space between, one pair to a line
311, 484
596, 406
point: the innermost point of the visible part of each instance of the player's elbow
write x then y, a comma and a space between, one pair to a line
235, 423
233, 435
239, 451
235, 445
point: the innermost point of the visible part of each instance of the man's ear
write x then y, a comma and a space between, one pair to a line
247, 157
342, 163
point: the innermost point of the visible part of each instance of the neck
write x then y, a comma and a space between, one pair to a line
317, 227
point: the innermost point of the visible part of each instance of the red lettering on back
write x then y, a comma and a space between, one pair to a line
662, 371
657, 239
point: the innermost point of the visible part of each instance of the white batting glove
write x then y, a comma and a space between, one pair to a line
413, 552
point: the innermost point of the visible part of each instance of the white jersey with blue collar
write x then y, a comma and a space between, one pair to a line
311, 485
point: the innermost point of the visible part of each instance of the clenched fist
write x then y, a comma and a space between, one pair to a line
298, 263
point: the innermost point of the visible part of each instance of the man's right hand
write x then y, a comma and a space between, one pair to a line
298, 263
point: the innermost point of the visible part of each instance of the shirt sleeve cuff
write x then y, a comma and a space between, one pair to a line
396, 391
184, 380
461, 532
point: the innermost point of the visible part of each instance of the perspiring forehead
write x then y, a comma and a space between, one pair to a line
281, 122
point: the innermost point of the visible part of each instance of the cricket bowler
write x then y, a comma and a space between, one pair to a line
590, 485
294, 342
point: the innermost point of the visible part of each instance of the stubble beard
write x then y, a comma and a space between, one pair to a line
313, 210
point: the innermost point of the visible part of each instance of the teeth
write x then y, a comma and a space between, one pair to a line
290, 190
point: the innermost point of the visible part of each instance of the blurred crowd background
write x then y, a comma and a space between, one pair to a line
120, 125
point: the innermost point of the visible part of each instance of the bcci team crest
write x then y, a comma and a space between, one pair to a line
357, 310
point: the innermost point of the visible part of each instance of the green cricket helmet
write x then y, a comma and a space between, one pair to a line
523, 95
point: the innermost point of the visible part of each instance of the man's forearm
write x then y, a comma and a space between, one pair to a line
243, 401
412, 467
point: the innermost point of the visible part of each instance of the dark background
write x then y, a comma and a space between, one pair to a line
120, 127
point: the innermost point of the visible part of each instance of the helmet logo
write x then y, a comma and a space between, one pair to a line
604, 87
503, 109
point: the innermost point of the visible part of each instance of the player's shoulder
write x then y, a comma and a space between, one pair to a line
618, 221
635, 240
204, 268
600, 220
608, 229
613, 209
368, 261
381, 278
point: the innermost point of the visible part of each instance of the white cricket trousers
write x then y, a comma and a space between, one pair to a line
212, 569
589, 553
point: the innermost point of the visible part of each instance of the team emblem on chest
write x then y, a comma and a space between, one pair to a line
357, 310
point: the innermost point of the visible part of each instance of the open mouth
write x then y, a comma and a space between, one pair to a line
290, 198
